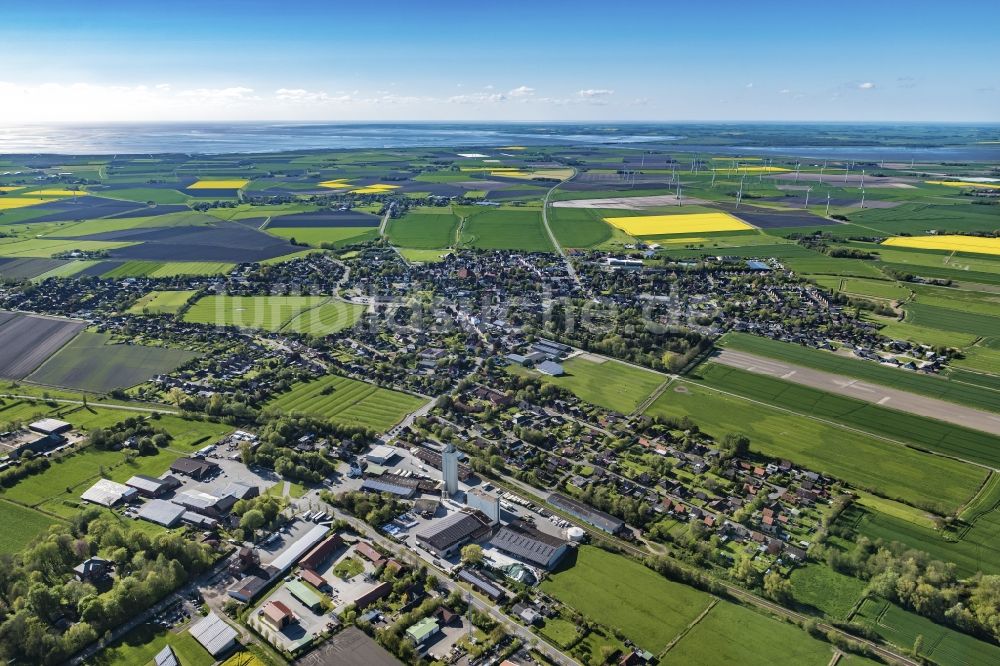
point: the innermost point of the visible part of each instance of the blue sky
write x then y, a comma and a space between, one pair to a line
540, 60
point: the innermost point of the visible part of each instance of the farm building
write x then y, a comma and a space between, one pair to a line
315, 557
108, 493
214, 634
161, 512
245, 590
166, 657
203, 503
483, 585
396, 486
50, 427
423, 631
241, 491
196, 469
599, 519
277, 615
313, 578
381, 455
366, 551
303, 593
444, 537
149, 486
380, 591
296, 550
529, 545
550, 368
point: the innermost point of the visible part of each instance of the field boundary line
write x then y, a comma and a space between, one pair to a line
686, 630
67, 401
652, 397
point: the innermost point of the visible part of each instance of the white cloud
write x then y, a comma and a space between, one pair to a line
301, 96
750, 85
784, 91
591, 93
521, 91
477, 98
867, 85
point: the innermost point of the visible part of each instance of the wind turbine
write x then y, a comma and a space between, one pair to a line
828, 203
862, 198
862, 180
808, 190
821, 170
797, 165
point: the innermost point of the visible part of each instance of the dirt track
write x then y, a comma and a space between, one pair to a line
902, 401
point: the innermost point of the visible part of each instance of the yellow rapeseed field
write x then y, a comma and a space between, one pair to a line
375, 188
560, 174
338, 184
56, 193
231, 184
11, 188
8, 203
513, 148
964, 183
689, 223
955, 243
752, 169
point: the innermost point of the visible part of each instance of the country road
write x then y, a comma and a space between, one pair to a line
552, 236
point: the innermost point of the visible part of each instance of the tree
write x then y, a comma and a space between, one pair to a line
252, 521
777, 587
472, 554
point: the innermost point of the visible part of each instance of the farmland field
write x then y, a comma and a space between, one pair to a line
927, 433
579, 227
320, 236
621, 594
684, 223
23, 525
162, 302
92, 363
505, 229
974, 244
27, 340
935, 387
424, 228
326, 318
609, 384
887, 469
348, 401
732, 634
949, 319
832, 593
267, 312
943, 645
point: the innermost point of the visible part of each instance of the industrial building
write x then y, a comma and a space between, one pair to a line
161, 512
193, 467
599, 519
109, 493
487, 502
449, 470
381, 455
444, 537
149, 486
214, 634
50, 427
520, 540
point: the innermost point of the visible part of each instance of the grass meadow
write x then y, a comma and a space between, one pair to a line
609, 384
348, 401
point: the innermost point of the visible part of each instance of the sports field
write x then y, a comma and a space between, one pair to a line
732, 634
91, 362
605, 383
267, 312
685, 223
887, 469
964, 393
624, 595
325, 319
942, 645
162, 302
348, 401
973, 244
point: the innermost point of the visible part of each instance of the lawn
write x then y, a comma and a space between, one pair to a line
619, 593
942, 645
424, 228
732, 634
326, 319
162, 302
23, 525
895, 471
90, 362
559, 631
348, 568
609, 384
929, 434
831, 593
140, 645
266, 312
348, 401
505, 229
935, 387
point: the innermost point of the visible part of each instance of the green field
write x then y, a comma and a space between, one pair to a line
23, 525
90, 362
424, 228
732, 634
964, 393
927, 434
178, 268
325, 236
823, 265
142, 195
162, 302
267, 312
609, 384
326, 318
887, 469
580, 227
880, 289
955, 318
831, 593
505, 229
621, 594
920, 218
348, 401
942, 645
139, 646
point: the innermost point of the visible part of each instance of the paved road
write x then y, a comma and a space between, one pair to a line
884, 396
94, 403
552, 236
